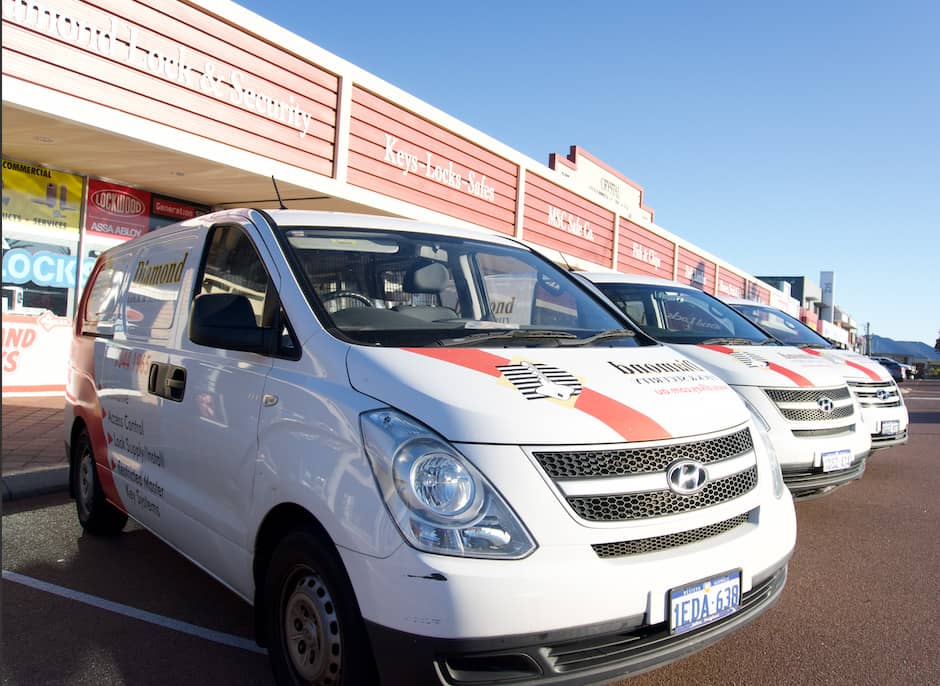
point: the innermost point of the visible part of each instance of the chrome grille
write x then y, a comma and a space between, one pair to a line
655, 543
795, 396
816, 415
867, 393
632, 506
626, 461
803, 405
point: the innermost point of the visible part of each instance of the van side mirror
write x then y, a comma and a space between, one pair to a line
226, 320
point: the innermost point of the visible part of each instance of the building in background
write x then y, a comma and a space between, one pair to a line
120, 117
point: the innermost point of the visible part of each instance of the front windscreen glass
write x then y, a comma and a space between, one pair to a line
782, 326
683, 315
400, 288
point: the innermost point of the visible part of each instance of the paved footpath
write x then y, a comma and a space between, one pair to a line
33, 449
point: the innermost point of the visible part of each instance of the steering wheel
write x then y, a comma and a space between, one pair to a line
359, 298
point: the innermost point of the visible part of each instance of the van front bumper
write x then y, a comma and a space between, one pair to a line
595, 654
806, 484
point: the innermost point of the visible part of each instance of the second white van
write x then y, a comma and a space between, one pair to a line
802, 401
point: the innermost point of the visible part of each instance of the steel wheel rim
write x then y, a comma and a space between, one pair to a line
86, 483
311, 630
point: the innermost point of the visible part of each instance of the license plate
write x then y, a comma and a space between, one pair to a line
704, 602
890, 428
836, 460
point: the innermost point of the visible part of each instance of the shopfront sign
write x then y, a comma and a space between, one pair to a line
564, 220
411, 160
695, 270
399, 154
602, 182
43, 268
35, 352
732, 286
35, 196
643, 251
122, 42
116, 211
571, 223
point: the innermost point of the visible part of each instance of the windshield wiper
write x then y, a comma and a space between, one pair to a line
818, 346
736, 341
603, 335
509, 335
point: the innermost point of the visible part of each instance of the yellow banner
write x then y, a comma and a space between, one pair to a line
41, 197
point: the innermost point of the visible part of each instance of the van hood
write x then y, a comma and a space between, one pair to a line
765, 366
542, 396
854, 367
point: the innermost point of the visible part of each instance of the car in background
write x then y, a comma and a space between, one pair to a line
899, 370
873, 384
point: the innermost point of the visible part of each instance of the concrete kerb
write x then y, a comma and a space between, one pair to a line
34, 482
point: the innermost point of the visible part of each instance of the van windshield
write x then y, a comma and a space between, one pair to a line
683, 315
782, 326
398, 288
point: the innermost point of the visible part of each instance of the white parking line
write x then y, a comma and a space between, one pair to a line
133, 612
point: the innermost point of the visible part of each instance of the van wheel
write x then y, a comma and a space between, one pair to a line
316, 636
95, 514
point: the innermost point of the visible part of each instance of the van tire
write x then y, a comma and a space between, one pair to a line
315, 633
96, 515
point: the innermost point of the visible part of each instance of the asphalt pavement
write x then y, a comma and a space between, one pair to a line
861, 605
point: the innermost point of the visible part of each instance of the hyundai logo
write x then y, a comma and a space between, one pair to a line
826, 405
883, 394
686, 477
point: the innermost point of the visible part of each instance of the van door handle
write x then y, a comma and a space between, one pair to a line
167, 381
175, 383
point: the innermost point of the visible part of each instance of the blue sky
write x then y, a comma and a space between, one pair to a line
785, 138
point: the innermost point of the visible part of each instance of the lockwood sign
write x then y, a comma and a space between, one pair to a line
117, 211
43, 268
125, 43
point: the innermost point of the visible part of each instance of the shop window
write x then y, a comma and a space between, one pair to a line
41, 219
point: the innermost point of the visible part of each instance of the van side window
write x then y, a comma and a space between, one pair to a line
102, 309
233, 266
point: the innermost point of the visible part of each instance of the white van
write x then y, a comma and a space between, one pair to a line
425, 455
801, 400
883, 407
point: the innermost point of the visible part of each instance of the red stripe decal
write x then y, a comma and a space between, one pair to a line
793, 376
872, 375
718, 349
810, 351
631, 424
468, 358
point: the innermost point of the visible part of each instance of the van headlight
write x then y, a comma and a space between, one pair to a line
439, 500
775, 473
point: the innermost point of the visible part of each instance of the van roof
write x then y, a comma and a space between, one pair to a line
373, 221
619, 277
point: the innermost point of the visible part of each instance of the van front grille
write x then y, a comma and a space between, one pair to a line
629, 484
876, 393
823, 405
633, 506
656, 543
593, 463
796, 396
815, 414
